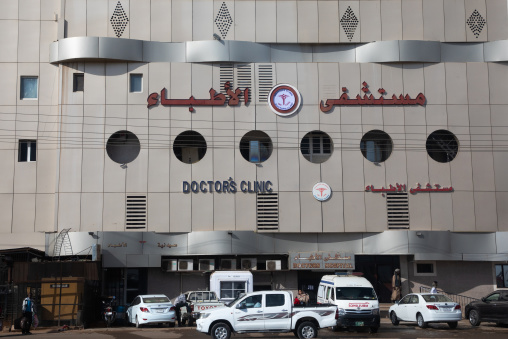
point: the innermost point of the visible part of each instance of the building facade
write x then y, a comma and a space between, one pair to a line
184, 137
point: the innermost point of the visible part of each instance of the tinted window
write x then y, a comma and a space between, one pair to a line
437, 298
273, 300
493, 297
155, 300
254, 301
355, 293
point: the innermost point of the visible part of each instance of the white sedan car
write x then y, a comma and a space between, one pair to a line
151, 309
426, 308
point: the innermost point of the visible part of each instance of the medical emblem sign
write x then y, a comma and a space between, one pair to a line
321, 191
284, 100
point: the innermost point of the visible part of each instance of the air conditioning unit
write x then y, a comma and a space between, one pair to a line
185, 265
228, 264
169, 265
206, 264
273, 265
249, 264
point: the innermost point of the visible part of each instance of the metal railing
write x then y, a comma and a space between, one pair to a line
462, 300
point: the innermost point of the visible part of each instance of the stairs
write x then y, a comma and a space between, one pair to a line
62, 245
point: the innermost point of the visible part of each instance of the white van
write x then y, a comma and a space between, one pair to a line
355, 297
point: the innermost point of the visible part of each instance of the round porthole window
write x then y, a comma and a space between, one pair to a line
442, 146
376, 145
256, 146
316, 147
123, 147
189, 147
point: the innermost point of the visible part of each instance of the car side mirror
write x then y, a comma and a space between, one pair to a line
241, 306
484, 300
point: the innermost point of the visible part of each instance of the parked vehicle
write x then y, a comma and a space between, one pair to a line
151, 309
108, 314
356, 299
492, 308
266, 311
426, 308
200, 301
229, 284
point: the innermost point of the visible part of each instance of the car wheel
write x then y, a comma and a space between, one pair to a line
221, 331
373, 329
393, 318
138, 325
307, 330
191, 322
420, 321
474, 318
453, 324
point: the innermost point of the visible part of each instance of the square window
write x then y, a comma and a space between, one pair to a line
27, 150
78, 82
136, 83
28, 87
425, 268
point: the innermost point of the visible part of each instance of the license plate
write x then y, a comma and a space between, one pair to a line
160, 311
359, 323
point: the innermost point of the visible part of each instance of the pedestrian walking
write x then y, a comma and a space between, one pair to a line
28, 310
396, 284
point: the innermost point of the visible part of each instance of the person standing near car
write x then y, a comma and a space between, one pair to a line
181, 301
28, 310
434, 287
396, 284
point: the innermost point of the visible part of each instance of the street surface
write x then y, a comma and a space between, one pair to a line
387, 330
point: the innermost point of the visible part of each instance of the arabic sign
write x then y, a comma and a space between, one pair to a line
284, 99
344, 99
329, 261
215, 99
321, 191
59, 286
402, 188
120, 244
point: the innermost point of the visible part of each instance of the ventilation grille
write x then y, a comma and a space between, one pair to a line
397, 205
135, 212
265, 82
226, 74
268, 212
244, 76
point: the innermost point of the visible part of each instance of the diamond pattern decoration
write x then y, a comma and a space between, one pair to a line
476, 23
223, 20
119, 20
349, 22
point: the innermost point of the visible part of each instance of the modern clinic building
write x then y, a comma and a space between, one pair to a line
173, 138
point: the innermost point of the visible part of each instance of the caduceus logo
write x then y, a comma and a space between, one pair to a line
321, 191
283, 96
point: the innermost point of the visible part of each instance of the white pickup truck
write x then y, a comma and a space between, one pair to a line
267, 311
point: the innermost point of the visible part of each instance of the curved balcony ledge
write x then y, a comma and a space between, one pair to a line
209, 51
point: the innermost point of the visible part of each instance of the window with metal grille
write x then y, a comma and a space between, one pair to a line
244, 76
397, 205
226, 74
268, 211
265, 81
135, 212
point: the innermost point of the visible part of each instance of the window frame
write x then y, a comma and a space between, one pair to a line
21, 86
504, 277
133, 76
75, 84
29, 144
415, 267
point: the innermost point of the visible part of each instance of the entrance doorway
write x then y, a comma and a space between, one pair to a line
378, 269
308, 281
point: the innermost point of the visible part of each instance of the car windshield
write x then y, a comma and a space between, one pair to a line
355, 293
436, 298
155, 300
240, 296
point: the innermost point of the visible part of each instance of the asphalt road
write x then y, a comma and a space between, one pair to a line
387, 330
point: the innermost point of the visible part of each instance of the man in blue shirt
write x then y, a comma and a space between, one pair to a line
28, 310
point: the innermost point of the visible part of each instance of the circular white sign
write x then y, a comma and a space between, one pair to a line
284, 99
321, 191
